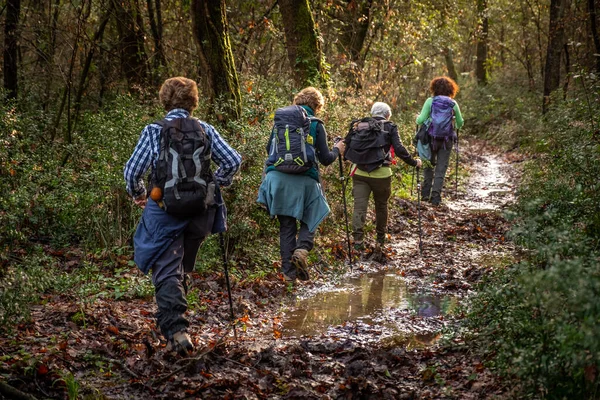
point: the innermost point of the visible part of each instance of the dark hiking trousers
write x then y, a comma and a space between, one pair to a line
288, 230
362, 186
169, 271
433, 178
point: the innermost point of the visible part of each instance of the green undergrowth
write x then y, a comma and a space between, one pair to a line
37, 277
538, 320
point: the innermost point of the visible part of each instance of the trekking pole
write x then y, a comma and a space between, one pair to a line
412, 183
419, 212
343, 180
222, 243
456, 171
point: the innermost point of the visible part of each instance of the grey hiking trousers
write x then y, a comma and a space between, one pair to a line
362, 186
290, 239
433, 178
170, 269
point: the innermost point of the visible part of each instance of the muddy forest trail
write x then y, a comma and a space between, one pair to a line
385, 330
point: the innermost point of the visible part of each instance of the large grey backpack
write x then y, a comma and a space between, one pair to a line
182, 170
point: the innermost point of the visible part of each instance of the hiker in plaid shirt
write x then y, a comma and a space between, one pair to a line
168, 244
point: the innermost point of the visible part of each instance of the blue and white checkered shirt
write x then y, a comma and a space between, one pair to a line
146, 151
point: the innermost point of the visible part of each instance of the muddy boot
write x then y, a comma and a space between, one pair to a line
186, 283
436, 198
180, 343
299, 260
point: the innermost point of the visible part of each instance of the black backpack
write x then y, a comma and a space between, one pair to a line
182, 171
292, 147
366, 143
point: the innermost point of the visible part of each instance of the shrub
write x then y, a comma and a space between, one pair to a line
539, 320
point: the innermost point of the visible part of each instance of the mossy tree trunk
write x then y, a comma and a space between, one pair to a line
556, 41
302, 43
356, 19
134, 60
218, 67
11, 49
450, 64
481, 67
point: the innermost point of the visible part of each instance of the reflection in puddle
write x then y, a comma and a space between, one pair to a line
367, 299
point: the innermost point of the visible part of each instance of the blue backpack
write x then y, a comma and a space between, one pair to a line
292, 145
442, 114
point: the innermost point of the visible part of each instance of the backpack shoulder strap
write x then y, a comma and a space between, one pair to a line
160, 122
314, 121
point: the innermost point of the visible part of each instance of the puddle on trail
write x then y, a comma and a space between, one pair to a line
378, 299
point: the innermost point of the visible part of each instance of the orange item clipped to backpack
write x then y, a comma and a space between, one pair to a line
156, 194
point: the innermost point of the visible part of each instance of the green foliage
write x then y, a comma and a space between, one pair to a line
38, 274
68, 192
71, 385
24, 284
538, 320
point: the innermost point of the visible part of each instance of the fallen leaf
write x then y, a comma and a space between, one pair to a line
113, 329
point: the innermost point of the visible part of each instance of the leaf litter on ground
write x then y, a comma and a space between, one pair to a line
113, 347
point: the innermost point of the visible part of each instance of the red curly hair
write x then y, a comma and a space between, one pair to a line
443, 86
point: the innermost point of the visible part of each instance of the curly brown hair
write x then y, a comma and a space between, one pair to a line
443, 86
179, 92
311, 97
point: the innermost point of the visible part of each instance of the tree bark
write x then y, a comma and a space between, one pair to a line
450, 64
134, 59
154, 13
356, 26
211, 31
11, 49
88, 61
556, 41
567, 71
594, 28
481, 68
302, 43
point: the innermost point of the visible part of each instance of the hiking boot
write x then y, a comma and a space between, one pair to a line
299, 260
287, 278
186, 283
180, 343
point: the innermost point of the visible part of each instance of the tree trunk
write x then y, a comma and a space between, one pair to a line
13, 9
556, 41
450, 64
594, 28
356, 21
154, 13
302, 43
131, 42
481, 68
220, 76
567, 71
88, 61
